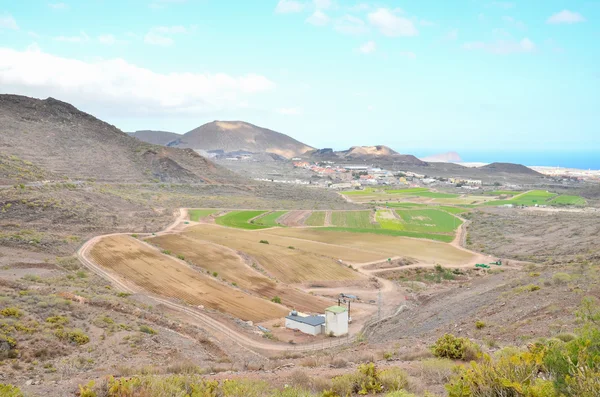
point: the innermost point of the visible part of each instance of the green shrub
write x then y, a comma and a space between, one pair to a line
123, 294
561, 278
276, 299
263, 242
58, 320
393, 379
455, 348
11, 342
75, 336
479, 324
166, 252
215, 274
11, 312
388, 356
10, 391
147, 330
87, 390
181, 257
438, 370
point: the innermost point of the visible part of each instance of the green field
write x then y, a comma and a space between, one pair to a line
196, 215
429, 221
269, 220
352, 219
408, 191
446, 238
239, 219
366, 191
317, 218
502, 193
453, 210
568, 200
530, 199
405, 205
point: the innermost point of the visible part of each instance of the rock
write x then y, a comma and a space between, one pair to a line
29, 382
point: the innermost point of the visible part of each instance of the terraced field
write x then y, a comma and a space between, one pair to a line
240, 220
569, 200
353, 220
380, 245
270, 220
232, 268
164, 276
317, 218
196, 215
530, 199
287, 259
429, 221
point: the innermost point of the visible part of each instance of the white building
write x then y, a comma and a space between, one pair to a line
336, 321
311, 325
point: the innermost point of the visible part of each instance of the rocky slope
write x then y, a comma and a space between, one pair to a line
59, 139
232, 136
155, 137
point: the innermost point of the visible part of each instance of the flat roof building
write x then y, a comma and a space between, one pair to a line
311, 325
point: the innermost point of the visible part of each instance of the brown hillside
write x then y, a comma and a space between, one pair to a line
155, 137
509, 168
231, 136
54, 138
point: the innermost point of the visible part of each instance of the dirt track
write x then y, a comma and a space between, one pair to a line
220, 329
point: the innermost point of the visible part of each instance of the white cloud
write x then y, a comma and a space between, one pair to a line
502, 47
161, 35
451, 35
289, 6
408, 54
290, 111
58, 6
391, 24
8, 22
81, 38
349, 24
514, 22
370, 108
368, 48
566, 16
107, 39
318, 18
118, 87
360, 7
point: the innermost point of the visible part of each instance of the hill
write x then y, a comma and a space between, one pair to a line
58, 140
232, 136
509, 168
155, 137
448, 157
364, 153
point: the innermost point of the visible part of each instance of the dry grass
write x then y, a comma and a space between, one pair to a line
232, 268
307, 262
162, 275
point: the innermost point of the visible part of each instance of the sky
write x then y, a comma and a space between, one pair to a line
418, 76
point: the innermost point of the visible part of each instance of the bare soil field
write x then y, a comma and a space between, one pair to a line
232, 267
287, 259
294, 218
165, 276
385, 247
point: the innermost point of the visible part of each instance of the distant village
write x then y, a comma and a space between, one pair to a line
355, 176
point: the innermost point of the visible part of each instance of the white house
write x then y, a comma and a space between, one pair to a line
311, 325
336, 321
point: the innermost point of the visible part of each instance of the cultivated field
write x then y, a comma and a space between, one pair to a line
427, 252
165, 276
233, 269
539, 197
240, 219
316, 218
196, 215
287, 259
270, 219
353, 219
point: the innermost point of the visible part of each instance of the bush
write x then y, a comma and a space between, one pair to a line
455, 348
439, 370
10, 391
276, 299
75, 336
364, 381
11, 312
147, 330
215, 274
11, 342
263, 242
479, 324
181, 257
393, 379
561, 278
388, 356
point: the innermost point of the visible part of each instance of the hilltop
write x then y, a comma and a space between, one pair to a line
509, 168
59, 140
155, 137
236, 136
378, 153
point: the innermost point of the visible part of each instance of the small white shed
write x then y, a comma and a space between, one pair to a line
336, 321
311, 325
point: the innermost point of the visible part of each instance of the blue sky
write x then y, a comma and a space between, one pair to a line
421, 76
